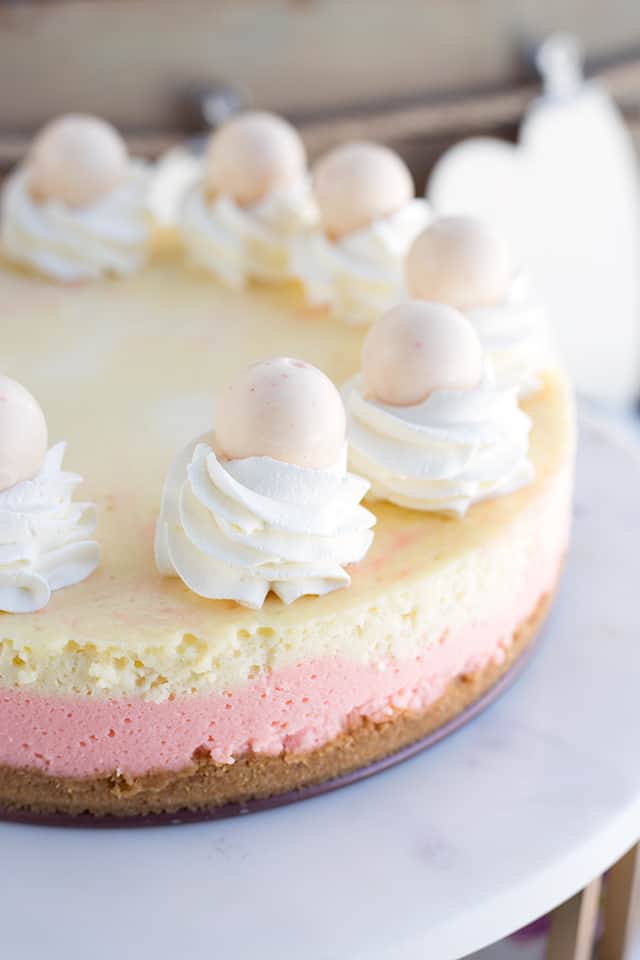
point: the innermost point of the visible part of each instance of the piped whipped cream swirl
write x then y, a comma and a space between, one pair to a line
516, 335
235, 530
454, 449
361, 275
238, 243
110, 236
45, 537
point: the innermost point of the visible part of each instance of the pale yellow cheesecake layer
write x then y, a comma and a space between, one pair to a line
126, 372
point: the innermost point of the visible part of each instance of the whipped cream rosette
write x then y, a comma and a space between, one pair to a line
369, 216
46, 539
427, 425
77, 208
516, 335
461, 262
253, 197
265, 503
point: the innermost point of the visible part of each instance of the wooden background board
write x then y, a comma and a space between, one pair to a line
139, 63
135, 60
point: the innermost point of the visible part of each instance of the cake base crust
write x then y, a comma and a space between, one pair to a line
206, 785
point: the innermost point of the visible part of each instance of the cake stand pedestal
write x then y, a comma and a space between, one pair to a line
465, 843
574, 924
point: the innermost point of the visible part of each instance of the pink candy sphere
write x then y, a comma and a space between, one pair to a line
76, 160
284, 409
459, 261
358, 183
23, 434
417, 348
252, 155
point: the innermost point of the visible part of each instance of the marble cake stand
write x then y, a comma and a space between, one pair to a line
435, 858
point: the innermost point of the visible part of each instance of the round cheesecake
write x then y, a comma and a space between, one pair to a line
128, 694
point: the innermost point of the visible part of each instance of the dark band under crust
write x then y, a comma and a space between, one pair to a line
206, 784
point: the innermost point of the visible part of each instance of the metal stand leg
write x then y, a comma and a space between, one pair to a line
573, 925
622, 909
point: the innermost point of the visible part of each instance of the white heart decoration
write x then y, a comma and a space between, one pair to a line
568, 197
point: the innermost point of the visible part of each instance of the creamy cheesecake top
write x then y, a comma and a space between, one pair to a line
126, 371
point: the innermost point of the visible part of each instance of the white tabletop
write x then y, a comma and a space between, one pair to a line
433, 859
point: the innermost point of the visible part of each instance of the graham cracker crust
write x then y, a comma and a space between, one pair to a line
205, 784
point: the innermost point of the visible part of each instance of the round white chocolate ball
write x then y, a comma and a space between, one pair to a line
77, 160
252, 155
359, 183
459, 261
23, 434
284, 409
417, 348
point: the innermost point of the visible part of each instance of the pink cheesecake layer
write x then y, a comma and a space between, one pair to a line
293, 709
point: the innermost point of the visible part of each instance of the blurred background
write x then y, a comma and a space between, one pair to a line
444, 68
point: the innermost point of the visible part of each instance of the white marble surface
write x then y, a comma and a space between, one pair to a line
435, 858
